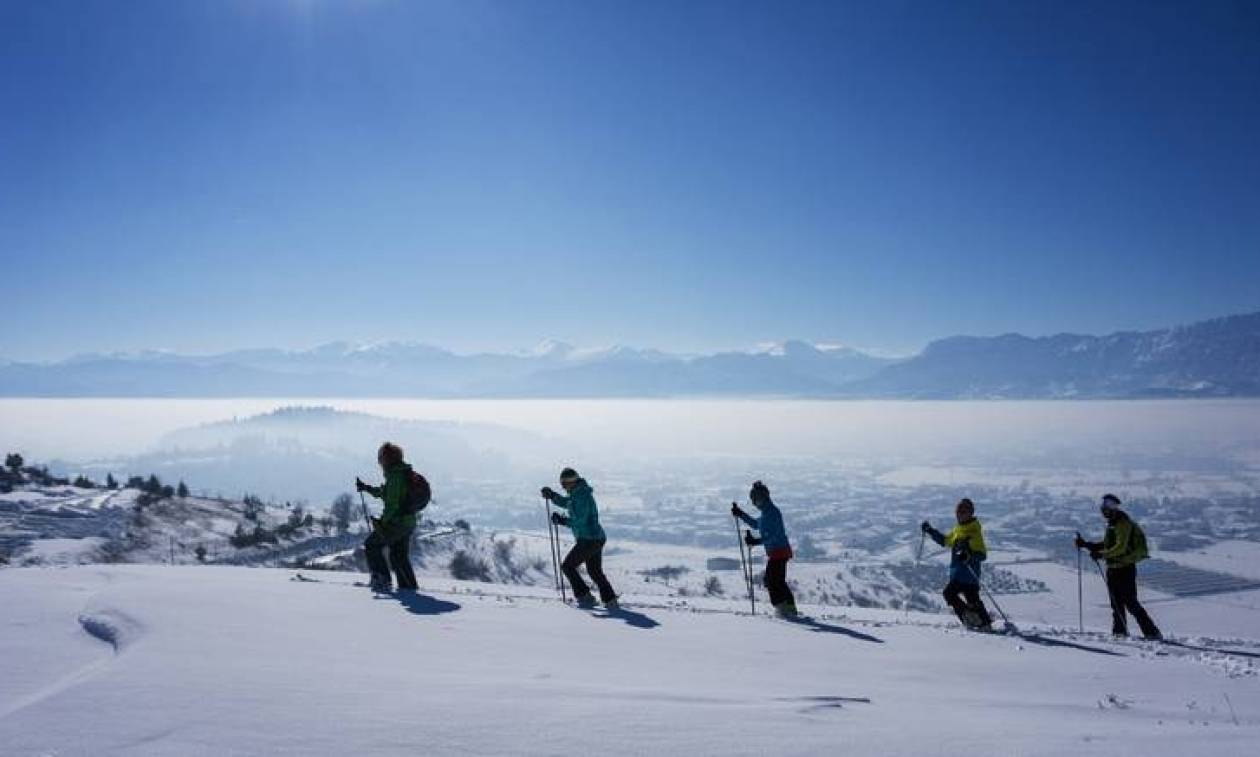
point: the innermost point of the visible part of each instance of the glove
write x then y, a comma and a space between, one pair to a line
925, 527
359, 486
1094, 554
559, 519
547, 492
735, 511
751, 540
376, 524
1079, 542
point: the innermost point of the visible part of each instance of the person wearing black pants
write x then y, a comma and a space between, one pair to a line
773, 536
583, 520
1123, 547
967, 551
394, 528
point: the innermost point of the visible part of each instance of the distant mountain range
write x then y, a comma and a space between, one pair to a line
1216, 358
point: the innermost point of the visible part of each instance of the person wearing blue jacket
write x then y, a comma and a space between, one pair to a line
773, 537
583, 520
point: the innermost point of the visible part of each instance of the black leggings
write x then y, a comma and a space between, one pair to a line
776, 582
398, 542
1122, 586
965, 598
588, 552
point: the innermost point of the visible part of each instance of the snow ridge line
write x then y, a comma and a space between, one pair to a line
112, 627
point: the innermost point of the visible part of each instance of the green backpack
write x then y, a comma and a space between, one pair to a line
1137, 544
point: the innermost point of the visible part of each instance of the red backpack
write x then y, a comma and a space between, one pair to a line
418, 494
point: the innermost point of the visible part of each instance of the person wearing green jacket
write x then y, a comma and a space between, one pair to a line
583, 520
394, 528
1123, 547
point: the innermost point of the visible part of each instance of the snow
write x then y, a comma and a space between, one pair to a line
196, 660
61, 551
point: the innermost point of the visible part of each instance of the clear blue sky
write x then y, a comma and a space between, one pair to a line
200, 176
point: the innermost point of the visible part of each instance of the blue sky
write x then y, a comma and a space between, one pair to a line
201, 176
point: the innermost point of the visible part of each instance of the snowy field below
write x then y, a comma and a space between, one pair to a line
155, 660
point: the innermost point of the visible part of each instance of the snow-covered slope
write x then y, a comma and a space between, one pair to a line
159, 660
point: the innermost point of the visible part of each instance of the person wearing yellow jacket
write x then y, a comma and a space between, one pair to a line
1123, 547
967, 550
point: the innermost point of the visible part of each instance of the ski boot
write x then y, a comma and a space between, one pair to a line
380, 583
612, 604
585, 602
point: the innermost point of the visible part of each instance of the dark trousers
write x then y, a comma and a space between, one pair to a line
776, 582
1122, 586
588, 552
965, 599
398, 542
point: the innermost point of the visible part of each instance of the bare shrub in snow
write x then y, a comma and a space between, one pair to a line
468, 567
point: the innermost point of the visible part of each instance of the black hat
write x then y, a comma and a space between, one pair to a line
1110, 501
758, 492
568, 474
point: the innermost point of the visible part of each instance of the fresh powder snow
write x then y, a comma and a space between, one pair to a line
215, 660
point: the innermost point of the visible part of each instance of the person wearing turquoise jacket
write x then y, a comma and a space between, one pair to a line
583, 520
773, 537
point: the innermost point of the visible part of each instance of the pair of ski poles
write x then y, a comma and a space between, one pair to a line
1080, 591
745, 564
553, 532
367, 519
918, 556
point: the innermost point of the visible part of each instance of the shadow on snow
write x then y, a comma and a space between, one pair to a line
819, 627
1044, 641
629, 617
422, 604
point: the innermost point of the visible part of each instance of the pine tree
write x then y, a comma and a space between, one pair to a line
342, 511
14, 462
182, 490
110, 481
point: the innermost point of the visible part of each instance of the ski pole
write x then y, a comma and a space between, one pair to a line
366, 520
1101, 574
564, 594
914, 576
1010, 626
745, 565
1080, 588
551, 539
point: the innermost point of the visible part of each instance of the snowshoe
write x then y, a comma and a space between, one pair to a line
971, 619
787, 611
